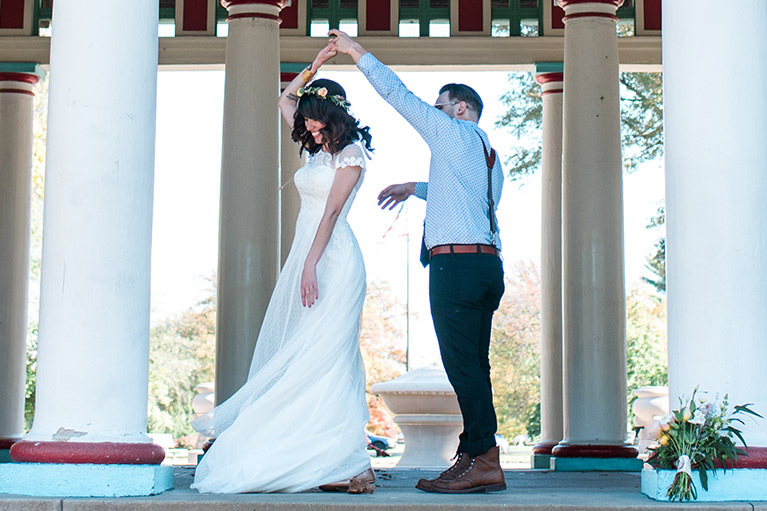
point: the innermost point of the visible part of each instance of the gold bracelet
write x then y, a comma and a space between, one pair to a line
307, 75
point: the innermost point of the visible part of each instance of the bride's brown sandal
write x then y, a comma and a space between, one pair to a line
361, 483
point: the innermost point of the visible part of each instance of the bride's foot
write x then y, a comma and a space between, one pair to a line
361, 483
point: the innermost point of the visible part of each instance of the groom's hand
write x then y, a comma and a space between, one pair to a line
394, 194
345, 44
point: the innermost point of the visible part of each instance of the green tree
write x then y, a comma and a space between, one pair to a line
641, 121
515, 356
382, 350
181, 356
646, 345
656, 263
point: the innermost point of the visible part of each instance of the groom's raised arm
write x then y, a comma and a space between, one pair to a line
429, 122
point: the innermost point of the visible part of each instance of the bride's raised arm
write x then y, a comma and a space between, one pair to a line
289, 99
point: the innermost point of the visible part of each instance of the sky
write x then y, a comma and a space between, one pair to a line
187, 173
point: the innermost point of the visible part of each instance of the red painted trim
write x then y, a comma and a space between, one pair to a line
549, 77
557, 14
469, 16
543, 448
6, 443
287, 77
12, 14
277, 3
289, 15
594, 451
102, 453
378, 15
195, 16
589, 15
17, 91
19, 77
652, 14
565, 3
253, 15
552, 91
757, 458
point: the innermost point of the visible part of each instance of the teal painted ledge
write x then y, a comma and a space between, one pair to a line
596, 464
749, 484
84, 480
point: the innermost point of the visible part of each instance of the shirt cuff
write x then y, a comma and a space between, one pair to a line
421, 189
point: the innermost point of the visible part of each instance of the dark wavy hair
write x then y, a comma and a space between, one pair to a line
341, 129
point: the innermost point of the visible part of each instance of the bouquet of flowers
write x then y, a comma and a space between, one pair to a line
700, 435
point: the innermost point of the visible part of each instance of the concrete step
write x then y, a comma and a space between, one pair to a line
528, 490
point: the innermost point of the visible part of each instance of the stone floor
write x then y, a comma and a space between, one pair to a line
527, 490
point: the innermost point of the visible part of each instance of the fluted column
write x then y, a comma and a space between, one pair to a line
249, 244
550, 77
93, 344
716, 220
16, 116
593, 273
290, 201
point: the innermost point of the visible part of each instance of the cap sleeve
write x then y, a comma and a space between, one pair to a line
350, 156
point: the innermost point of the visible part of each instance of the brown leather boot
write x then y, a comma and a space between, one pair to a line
484, 474
462, 460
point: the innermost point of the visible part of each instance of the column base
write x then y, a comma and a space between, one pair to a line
540, 461
5, 455
596, 464
108, 453
84, 480
5, 449
733, 485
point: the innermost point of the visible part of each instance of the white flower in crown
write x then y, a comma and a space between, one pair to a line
323, 92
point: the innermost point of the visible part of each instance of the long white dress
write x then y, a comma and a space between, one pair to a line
298, 422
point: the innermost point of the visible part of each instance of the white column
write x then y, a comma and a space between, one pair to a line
92, 369
716, 218
16, 115
290, 201
550, 76
249, 244
593, 274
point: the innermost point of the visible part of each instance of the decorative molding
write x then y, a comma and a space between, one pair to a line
100, 453
362, 15
468, 53
648, 18
16, 18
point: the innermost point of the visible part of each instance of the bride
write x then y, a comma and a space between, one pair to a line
298, 422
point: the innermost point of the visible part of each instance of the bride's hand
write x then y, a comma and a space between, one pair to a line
309, 291
325, 54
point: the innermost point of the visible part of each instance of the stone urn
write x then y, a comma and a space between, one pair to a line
650, 404
426, 409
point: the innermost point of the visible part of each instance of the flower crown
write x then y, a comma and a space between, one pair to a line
322, 93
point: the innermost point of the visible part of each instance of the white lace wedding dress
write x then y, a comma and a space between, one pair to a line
298, 422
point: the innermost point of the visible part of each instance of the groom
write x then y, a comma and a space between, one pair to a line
465, 274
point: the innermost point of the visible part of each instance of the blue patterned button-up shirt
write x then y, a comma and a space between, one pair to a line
456, 194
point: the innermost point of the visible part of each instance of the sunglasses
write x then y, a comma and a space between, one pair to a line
440, 106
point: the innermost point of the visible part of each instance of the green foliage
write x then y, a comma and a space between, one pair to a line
382, 350
641, 121
646, 344
656, 263
523, 119
641, 118
699, 435
181, 356
515, 353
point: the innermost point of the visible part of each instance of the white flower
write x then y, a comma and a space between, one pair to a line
653, 430
698, 417
707, 409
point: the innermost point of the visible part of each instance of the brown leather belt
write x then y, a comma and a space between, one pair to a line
464, 249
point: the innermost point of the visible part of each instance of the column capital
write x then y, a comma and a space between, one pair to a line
590, 8
19, 77
267, 9
550, 75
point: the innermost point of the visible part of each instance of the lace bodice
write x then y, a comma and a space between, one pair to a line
315, 178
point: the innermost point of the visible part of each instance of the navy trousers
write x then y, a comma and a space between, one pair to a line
464, 292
